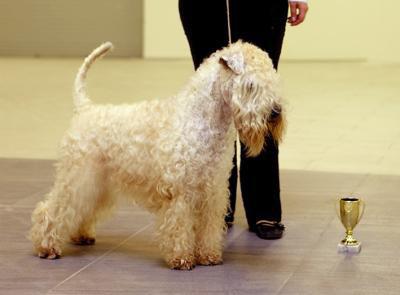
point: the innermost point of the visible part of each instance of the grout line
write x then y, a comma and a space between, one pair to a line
305, 256
98, 258
360, 183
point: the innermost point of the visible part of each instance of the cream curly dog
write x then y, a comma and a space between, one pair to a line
171, 156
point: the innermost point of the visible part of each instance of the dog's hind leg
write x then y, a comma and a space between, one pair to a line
67, 208
103, 205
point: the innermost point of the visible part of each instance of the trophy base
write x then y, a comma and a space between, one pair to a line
343, 248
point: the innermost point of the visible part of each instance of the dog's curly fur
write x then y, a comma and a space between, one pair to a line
171, 156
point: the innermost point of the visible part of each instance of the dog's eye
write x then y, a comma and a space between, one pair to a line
251, 86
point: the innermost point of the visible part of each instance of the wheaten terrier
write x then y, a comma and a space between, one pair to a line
171, 156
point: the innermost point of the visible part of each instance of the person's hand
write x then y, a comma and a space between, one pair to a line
298, 11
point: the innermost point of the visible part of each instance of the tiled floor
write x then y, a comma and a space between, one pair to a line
343, 138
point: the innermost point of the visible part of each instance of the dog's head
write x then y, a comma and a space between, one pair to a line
250, 87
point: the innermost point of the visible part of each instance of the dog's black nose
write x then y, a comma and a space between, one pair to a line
276, 111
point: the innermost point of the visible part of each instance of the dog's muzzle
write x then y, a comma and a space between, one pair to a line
275, 113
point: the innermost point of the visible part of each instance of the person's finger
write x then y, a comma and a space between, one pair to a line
302, 12
293, 12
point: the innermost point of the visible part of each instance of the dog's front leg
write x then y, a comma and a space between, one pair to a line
176, 234
210, 227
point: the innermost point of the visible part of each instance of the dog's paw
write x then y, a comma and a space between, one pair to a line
209, 260
181, 264
49, 253
83, 241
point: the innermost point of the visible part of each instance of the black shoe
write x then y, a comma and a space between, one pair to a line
229, 224
229, 220
268, 230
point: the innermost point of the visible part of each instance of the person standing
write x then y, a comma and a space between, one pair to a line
262, 23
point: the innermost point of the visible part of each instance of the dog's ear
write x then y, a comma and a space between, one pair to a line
234, 61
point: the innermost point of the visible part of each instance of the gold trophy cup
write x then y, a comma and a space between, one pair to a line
350, 210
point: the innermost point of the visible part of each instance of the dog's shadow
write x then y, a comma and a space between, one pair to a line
244, 249
120, 247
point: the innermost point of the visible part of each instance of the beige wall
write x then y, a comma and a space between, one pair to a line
335, 30
70, 27
163, 33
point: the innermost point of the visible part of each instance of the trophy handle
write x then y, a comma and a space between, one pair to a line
337, 207
362, 203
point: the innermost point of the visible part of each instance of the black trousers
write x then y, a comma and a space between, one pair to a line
261, 22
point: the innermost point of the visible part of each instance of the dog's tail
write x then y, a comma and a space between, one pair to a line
80, 96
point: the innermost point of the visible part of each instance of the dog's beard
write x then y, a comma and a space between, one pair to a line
254, 141
253, 135
249, 111
277, 127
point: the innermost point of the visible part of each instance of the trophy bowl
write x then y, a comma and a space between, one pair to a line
350, 211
